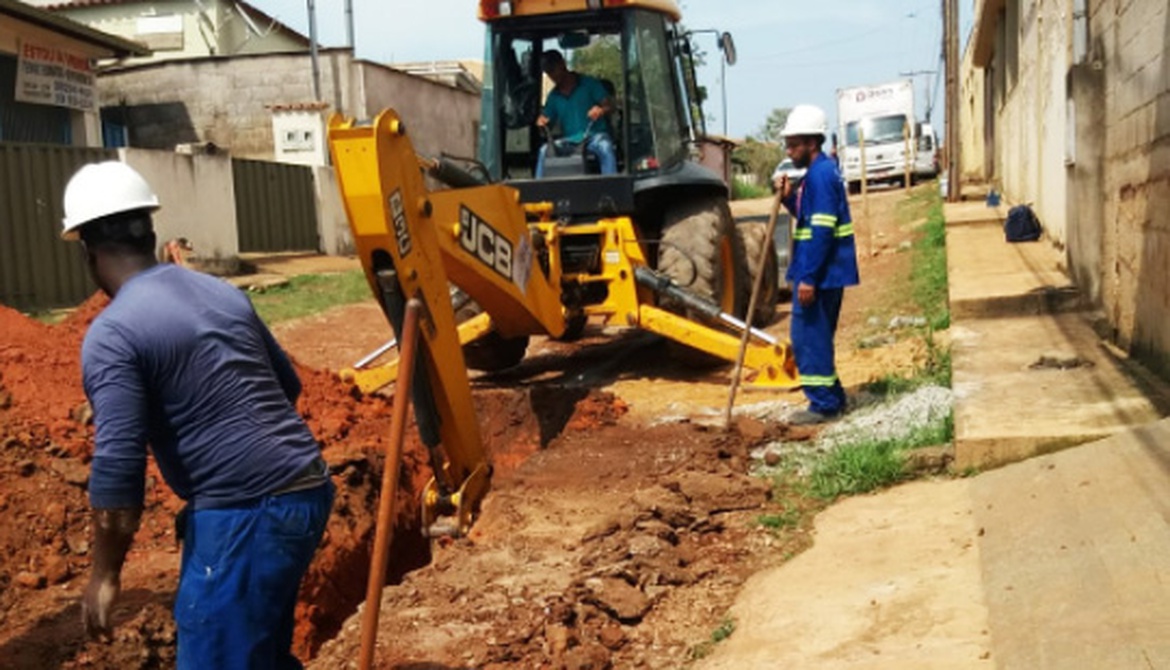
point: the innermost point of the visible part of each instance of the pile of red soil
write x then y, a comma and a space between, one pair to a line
44, 411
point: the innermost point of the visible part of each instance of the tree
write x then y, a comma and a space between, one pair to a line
758, 158
603, 60
774, 125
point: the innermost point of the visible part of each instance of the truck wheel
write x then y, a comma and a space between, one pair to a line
701, 251
755, 240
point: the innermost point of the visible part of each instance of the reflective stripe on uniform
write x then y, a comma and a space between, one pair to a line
802, 234
824, 220
845, 230
818, 380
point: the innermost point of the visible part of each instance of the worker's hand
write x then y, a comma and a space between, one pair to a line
783, 186
541, 121
596, 112
806, 294
96, 604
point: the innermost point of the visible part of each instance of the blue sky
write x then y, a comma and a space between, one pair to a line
789, 52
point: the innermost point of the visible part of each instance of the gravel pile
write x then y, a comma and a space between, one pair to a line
893, 419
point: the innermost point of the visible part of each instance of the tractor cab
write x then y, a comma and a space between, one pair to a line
637, 52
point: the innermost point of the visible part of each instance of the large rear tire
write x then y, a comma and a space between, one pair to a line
701, 251
755, 240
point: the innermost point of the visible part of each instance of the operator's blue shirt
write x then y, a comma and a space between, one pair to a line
572, 110
180, 361
824, 254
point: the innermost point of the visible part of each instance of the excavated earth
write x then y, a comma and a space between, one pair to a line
620, 526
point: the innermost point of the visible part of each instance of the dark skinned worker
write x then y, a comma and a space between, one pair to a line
180, 362
581, 105
824, 262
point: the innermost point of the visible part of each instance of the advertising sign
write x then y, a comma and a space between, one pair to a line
48, 75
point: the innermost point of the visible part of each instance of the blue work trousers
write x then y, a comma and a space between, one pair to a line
813, 329
599, 144
241, 570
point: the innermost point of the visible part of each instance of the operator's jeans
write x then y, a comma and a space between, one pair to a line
600, 145
241, 570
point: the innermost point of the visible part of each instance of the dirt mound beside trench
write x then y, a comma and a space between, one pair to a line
46, 443
620, 547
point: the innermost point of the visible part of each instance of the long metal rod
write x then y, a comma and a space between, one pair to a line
758, 284
741, 325
312, 7
375, 354
380, 561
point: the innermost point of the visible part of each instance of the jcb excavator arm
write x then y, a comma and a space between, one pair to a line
507, 257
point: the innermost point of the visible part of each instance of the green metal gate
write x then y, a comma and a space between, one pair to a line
38, 270
276, 206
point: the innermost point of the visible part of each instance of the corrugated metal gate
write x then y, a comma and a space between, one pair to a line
38, 270
276, 208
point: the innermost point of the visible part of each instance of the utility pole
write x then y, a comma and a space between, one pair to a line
312, 7
349, 24
951, 55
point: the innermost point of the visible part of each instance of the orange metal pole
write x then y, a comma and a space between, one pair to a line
380, 561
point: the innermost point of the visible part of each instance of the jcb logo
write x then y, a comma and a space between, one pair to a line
401, 232
480, 239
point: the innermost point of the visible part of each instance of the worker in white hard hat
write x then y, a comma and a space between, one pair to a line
824, 262
180, 363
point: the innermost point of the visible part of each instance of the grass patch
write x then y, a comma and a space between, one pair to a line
928, 277
868, 464
721, 633
790, 517
310, 294
742, 191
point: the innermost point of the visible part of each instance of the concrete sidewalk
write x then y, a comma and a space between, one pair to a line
1030, 373
1061, 561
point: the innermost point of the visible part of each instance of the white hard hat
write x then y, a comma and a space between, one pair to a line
806, 120
98, 190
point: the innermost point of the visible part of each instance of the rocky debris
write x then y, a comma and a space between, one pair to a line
876, 341
899, 322
145, 642
71, 471
26, 468
722, 493
29, 580
57, 569
667, 505
618, 598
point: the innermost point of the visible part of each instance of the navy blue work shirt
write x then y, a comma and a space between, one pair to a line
824, 254
181, 362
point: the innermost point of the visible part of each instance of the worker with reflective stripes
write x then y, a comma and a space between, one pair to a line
823, 262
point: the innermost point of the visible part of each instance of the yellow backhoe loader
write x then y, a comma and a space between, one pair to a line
652, 247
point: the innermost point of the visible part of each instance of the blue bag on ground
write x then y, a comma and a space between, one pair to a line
1021, 225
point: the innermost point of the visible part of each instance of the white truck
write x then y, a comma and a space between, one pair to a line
883, 115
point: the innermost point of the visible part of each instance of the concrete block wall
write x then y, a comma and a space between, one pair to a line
198, 202
438, 118
1088, 143
225, 101
1031, 123
1131, 46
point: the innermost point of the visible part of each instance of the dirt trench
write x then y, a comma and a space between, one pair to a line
45, 446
